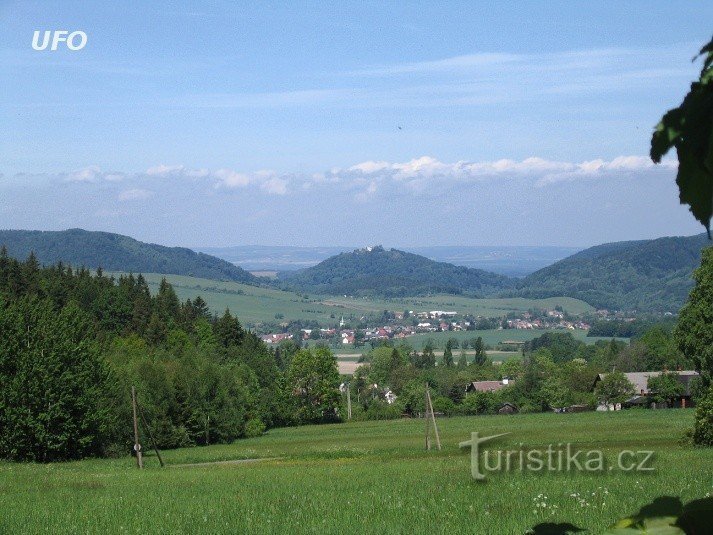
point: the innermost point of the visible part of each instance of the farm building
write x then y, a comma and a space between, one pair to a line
640, 380
487, 386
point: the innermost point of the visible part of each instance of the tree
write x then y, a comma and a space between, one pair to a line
228, 330
313, 381
53, 383
614, 388
703, 426
480, 357
384, 362
427, 358
689, 128
448, 354
694, 331
463, 359
665, 388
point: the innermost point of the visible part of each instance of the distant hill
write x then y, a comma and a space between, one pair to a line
511, 260
646, 275
114, 252
392, 273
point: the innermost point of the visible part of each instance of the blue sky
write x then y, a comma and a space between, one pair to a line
224, 123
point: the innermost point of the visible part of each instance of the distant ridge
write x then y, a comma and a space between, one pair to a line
114, 252
644, 275
393, 273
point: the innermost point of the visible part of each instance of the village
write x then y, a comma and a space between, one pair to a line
410, 323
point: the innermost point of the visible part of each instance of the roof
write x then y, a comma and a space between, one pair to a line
485, 386
640, 380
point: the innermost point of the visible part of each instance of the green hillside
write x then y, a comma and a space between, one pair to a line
255, 305
114, 252
393, 273
648, 275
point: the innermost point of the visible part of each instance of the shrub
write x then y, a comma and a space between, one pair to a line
254, 427
703, 426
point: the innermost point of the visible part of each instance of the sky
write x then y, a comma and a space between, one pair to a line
346, 123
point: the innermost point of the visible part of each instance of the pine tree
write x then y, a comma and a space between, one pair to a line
228, 330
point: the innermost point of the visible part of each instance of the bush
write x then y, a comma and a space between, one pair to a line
380, 410
444, 405
479, 403
254, 427
703, 426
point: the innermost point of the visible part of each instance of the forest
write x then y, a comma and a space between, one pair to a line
75, 342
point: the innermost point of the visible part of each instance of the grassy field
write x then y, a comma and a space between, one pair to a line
363, 478
254, 305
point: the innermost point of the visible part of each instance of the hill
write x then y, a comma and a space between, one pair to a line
392, 273
645, 275
114, 252
510, 260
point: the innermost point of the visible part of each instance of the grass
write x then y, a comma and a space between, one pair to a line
256, 305
361, 477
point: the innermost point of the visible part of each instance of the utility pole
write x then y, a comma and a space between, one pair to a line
433, 418
425, 418
153, 440
430, 418
349, 402
137, 446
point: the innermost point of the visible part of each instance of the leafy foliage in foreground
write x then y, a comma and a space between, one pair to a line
689, 128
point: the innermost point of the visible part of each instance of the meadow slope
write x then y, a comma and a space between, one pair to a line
361, 477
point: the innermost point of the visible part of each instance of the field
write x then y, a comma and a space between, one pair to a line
364, 477
254, 305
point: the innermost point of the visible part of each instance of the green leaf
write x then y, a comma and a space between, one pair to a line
665, 525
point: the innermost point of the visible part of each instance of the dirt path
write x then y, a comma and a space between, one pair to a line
219, 463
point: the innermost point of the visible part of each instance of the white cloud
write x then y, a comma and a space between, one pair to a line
135, 194
275, 186
231, 179
418, 172
164, 170
87, 174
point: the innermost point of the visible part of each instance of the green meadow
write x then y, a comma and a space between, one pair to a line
362, 477
255, 305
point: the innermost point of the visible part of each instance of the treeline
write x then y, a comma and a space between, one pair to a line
75, 341
627, 329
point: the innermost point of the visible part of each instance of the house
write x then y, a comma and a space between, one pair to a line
275, 338
640, 380
487, 386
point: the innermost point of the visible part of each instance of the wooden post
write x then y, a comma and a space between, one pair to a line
433, 418
425, 418
349, 403
137, 446
153, 441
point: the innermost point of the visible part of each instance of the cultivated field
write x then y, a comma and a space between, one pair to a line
368, 477
255, 305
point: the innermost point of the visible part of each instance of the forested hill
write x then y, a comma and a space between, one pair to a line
393, 273
647, 275
114, 252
